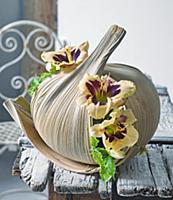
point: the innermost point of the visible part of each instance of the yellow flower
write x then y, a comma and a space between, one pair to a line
118, 133
100, 95
67, 58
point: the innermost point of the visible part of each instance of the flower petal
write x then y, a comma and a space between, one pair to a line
106, 123
132, 136
113, 90
75, 53
117, 154
48, 66
83, 55
116, 146
81, 100
127, 88
68, 58
48, 57
80, 57
127, 117
86, 86
60, 57
84, 46
99, 111
67, 67
97, 130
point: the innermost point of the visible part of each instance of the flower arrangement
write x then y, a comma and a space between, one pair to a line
65, 60
112, 132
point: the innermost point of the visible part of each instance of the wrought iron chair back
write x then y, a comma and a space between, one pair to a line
21, 43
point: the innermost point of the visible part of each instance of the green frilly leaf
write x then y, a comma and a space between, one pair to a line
103, 159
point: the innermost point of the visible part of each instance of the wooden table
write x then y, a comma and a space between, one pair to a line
149, 176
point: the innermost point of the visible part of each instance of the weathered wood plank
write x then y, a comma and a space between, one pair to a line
165, 126
146, 176
105, 189
57, 196
46, 12
167, 156
53, 195
34, 169
15, 168
43, 11
24, 143
67, 182
135, 178
159, 171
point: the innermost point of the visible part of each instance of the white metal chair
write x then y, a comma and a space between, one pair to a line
23, 39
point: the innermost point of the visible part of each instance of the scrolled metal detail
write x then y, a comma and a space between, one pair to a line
41, 43
17, 82
29, 43
11, 43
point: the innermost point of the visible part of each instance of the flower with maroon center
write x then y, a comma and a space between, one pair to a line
101, 94
67, 58
118, 133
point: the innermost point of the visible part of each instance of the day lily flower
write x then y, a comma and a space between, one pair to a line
118, 133
102, 94
67, 58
